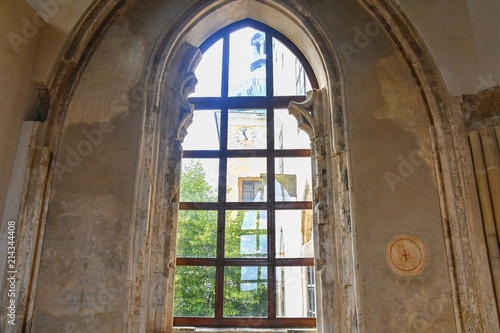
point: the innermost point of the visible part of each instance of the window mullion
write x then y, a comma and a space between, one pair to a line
271, 271
271, 216
219, 292
221, 218
270, 155
269, 66
225, 67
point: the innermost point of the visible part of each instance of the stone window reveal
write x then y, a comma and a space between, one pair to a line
245, 251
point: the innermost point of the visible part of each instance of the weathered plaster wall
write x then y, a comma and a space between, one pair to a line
61, 16
464, 38
83, 282
17, 93
484, 15
393, 187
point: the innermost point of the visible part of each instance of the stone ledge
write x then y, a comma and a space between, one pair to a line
240, 330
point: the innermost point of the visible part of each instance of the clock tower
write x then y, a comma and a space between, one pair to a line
247, 129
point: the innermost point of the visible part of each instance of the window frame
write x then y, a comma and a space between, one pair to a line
241, 186
225, 103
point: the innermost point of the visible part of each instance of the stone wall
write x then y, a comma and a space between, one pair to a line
17, 91
86, 264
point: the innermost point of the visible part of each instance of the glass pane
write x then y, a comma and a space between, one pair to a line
294, 234
247, 63
293, 179
203, 133
290, 78
246, 234
287, 134
194, 291
199, 180
247, 129
209, 73
295, 294
243, 173
245, 292
197, 234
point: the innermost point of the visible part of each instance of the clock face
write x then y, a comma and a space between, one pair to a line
245, 136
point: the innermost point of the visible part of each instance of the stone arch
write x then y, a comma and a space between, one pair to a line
471, 311
169, 112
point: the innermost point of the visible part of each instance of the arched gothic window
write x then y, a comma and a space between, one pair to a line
245, 252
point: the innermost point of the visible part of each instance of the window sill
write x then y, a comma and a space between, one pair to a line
241, 330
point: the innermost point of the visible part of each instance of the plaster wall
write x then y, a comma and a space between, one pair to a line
83, 279
61, 16
486, 27
464, 38
388, 127
17, 92
84, 272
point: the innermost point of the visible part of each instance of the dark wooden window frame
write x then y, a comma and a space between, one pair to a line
224, 104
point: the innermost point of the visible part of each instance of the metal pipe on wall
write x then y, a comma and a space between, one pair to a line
491, 155
489, 225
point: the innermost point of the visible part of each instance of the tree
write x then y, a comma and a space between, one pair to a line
196, 237
245, 290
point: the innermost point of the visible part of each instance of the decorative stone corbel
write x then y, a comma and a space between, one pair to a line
43, 106
303, 112
188, 85
482, 109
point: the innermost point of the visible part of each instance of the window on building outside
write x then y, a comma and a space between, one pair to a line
244, 246
250, 187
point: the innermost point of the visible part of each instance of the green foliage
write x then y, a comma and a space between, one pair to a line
197, 234
233, 233
194, 291
245, 298
194, 187
197, 237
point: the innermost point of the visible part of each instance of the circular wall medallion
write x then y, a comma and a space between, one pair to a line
406, 255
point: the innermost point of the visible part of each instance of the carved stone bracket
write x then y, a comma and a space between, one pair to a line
43, 106
186, 109
303, 112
